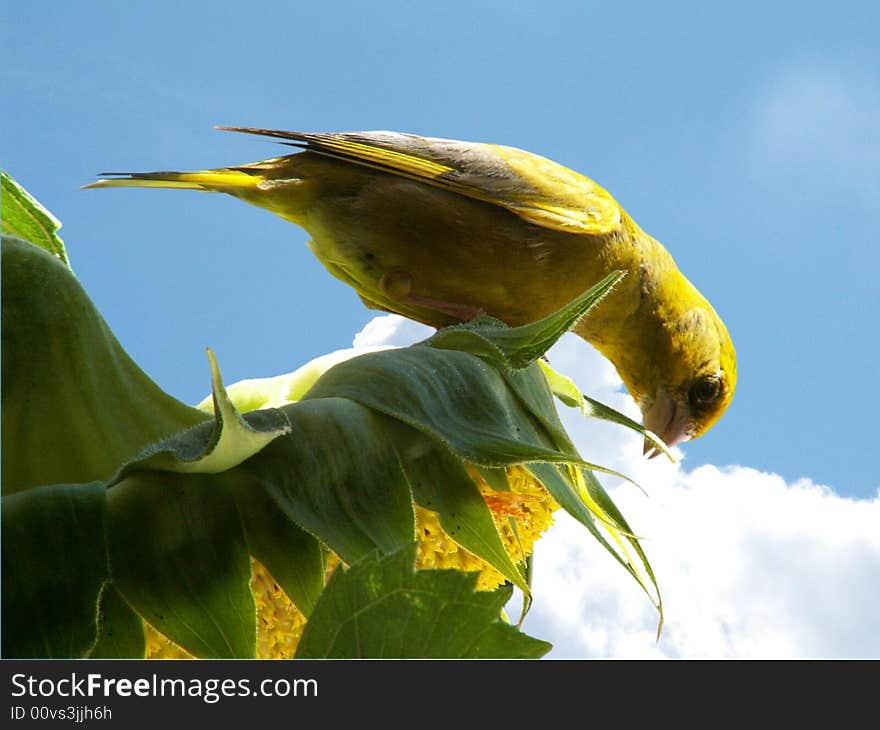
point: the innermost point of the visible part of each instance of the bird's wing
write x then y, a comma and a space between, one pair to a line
535, 188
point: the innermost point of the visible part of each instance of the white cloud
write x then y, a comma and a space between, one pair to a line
749, 565
391, 329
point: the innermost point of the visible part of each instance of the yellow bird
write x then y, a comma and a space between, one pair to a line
440, 230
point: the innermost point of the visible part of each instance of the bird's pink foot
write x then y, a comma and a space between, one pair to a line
461, 312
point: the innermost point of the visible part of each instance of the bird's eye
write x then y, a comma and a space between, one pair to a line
705, 391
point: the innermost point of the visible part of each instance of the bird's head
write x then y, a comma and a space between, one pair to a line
676, 358
694, 379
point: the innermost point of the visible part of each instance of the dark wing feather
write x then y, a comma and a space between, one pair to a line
535, 188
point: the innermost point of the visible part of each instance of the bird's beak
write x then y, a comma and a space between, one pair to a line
669, 419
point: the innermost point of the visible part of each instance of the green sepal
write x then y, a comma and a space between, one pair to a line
565, 389
179, 558
496, 477
452, 396
440, 483
336, 475
216, 446
292, 556
603, 500
120, 629
520, 346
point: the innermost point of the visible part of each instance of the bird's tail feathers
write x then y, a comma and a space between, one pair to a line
221, 180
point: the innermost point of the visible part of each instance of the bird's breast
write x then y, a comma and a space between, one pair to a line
453, 248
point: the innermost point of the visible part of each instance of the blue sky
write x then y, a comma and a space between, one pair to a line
744, 138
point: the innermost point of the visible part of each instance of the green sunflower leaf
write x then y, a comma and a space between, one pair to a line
24, 218
381, 607
75, 406
54, 566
